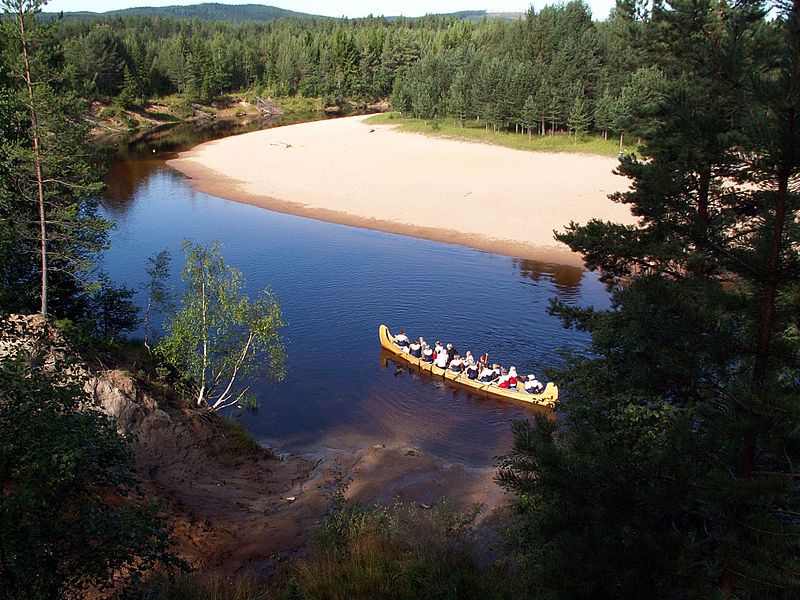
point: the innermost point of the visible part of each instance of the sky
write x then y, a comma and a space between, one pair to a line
347, 8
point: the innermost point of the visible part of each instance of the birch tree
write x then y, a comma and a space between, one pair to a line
220, 341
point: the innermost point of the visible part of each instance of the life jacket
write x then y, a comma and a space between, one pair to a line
504, 383
512, 382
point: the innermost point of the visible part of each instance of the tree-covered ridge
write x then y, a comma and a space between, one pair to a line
208, 11
557, 70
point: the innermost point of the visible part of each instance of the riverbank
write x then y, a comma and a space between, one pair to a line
345, 171
234, 506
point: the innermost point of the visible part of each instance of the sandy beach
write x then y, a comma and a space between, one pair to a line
345, 171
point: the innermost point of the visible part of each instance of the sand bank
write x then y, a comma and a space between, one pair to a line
345, 171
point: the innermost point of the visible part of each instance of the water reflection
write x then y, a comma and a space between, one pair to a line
566, 278
123, 179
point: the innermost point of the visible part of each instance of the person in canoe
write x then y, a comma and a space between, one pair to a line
512, 378
503, 381
452, 352
415, 348
401, 339
437, 349
457, 364
533, 385
427, 354
486, 374
472, 371
441, 359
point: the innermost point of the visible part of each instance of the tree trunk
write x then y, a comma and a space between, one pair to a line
146, 320
201, 396
771, 281
621, 140
36, 155
702, 195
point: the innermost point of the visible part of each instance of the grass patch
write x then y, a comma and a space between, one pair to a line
161, 116
198, 586
301, 104
396, 553
234, 443
476, 132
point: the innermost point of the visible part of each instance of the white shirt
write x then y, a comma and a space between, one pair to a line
441, 359
533, 384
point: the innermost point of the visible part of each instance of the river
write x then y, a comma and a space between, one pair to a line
336, 284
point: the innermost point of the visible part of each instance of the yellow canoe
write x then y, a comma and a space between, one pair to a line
547, 398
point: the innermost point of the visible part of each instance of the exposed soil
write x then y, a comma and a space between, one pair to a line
236, 507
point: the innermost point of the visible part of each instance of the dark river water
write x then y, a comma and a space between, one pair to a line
336, 284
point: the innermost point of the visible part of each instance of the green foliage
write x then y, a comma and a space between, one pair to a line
431, 67
579, 118
672, 471
397, 552
70, 181
220, 337
95, 63
70, 518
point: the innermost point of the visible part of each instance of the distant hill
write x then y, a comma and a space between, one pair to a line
204, 12
246, 12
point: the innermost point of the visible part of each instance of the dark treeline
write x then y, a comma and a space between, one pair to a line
555, 70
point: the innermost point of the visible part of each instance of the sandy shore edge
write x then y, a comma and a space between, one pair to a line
208, 181
344, 171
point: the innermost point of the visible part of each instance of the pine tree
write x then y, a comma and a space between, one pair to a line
530, 114
459, 101
672, 473
579, 119
129, 95
603, 113
49, 186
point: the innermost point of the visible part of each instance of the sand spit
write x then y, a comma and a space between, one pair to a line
345, 171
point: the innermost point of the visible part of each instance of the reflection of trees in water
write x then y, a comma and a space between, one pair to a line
567, 279
123, 178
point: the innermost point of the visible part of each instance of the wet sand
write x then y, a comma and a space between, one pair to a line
479, 195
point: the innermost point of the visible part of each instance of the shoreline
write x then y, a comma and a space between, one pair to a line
516, 193
208, 181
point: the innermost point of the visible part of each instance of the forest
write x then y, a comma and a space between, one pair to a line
669, 472
557, 70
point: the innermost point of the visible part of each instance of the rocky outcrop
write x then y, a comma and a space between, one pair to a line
229, 509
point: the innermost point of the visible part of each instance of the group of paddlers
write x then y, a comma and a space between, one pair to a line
448, 358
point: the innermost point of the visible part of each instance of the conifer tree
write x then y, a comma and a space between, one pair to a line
49, 185
673, 472
579, 118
